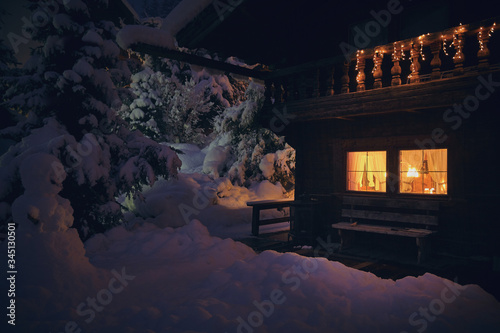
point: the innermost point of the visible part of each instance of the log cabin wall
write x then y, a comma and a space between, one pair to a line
468, 212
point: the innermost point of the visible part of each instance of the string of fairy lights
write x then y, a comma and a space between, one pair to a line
456, 41
480, 36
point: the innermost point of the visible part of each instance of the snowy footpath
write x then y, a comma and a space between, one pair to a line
173, 267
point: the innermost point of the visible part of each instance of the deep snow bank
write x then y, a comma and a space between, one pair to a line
184, 280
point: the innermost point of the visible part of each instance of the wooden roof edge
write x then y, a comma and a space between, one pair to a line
198, 60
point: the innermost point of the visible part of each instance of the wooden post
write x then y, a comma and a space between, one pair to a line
415, 65
436, 61
360, 66
396, 69
483, 38
345, 78
255, 220
377, 70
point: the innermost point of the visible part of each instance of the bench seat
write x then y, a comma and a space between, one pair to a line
387, 230
396, 217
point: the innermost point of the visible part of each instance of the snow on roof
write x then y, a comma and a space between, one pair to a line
178, 18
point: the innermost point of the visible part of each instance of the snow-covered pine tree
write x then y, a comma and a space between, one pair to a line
165, 109
7, 63
256, 153
69, 94
175, 103
7, 60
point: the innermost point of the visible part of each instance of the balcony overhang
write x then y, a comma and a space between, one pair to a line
439, 94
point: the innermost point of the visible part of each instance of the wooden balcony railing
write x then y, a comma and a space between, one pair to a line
433, 56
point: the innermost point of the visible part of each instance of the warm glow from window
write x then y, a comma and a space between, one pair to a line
412, 172
423, 171
366, 171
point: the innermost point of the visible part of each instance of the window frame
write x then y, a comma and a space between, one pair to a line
422, 194
346, 171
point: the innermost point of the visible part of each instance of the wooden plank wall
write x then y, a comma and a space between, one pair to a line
469, 215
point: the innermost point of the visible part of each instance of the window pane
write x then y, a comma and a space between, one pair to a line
366, 171
423, 171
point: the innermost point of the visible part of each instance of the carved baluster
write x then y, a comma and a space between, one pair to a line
396, 69
483, 38
458, 58
345, 78
329, 80
360, 67
414, 77
377, 69
436, 61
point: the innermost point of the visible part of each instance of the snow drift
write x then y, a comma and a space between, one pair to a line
184, 280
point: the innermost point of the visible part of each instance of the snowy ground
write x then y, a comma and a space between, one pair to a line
165, 271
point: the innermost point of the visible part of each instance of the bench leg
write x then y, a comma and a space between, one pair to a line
423, 249
255, 221
345, 239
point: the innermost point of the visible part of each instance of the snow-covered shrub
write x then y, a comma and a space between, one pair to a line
69, 93
256, 153
165, 109
176, 103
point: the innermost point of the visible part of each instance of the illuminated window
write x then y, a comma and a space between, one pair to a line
366, 171
423, 171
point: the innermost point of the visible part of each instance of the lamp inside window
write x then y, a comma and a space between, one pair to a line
366, 171
423, 171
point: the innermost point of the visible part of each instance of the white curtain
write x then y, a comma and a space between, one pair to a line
437, 160
373, 163
356, 161
409, 159
376, 169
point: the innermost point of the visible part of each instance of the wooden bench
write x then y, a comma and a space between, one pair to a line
258, 206
397, 217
